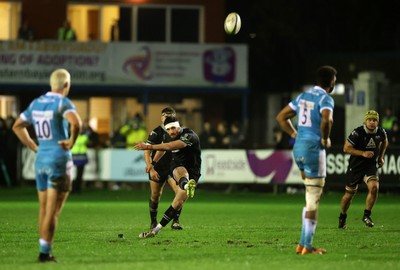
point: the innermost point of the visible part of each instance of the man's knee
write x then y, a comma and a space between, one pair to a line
373, 187
351, 191
372, 183
314, 188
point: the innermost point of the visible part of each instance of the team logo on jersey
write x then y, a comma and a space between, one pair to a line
186, 137
371, 144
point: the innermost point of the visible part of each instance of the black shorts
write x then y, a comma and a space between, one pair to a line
194, 173
353, 178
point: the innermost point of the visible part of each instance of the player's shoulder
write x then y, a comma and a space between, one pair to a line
188, 134
65, 100
357, 132
188, 131
381, 130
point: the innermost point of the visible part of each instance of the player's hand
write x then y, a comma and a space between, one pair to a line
141, 146
154, 175
368, 154
381, 161
66, 144
148, 167
326, 143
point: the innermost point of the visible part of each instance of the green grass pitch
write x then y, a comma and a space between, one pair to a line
221, 231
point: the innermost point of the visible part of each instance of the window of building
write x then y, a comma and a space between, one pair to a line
146, 23
151, 24
10, 17
185, 25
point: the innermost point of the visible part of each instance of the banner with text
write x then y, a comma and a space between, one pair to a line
223, 166
123, 63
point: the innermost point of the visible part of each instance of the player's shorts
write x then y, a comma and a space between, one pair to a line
49, 168
194, 173
310, 158
353, 178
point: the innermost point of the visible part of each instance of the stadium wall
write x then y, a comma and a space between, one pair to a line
223, 167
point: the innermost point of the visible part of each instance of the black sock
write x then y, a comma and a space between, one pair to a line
168, 216
153, 208
178, 213
367, 212
182, 182
343, 216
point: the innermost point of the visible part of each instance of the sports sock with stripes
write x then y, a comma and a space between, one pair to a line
168, 216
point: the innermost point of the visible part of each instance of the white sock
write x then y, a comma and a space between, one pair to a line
158, 228
310, 226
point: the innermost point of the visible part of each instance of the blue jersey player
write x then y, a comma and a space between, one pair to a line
314, 111
56, 124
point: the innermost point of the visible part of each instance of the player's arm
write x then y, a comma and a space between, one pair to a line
382, 148
326, 127
283, 118
75, 125
20, 129
348, 148
169, 146
148, 160
151, 162
159, 154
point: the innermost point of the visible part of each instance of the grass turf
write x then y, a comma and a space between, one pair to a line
221, 231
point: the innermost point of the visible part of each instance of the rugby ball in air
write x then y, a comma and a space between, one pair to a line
232, 23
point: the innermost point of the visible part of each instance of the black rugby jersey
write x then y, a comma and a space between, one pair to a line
364, 141
158, 136
189, 156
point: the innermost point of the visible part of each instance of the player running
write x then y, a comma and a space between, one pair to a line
367, 146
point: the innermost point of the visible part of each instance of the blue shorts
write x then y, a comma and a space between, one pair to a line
52, 167
310, 158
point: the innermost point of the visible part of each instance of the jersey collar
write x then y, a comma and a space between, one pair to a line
53, 94
317, 87
368, 131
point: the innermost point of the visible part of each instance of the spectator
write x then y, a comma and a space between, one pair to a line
394, 134
66, 32
4, 176
114, 36
25, 32
134, 131
12, 143
222, 136
87, 138
207, 136
388, 120
236, 137
282, 140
